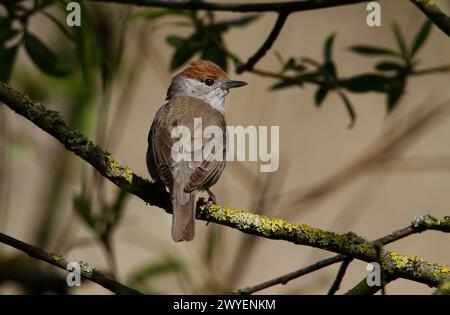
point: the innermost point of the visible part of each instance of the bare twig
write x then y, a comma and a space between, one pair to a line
418, 225
340, 275
248, 66
290, 276
429, 8
280, 6
435, 14
433, 70
87, 272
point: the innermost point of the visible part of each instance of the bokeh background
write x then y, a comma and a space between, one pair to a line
41, 182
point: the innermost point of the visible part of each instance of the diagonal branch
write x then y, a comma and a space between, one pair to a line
248, 66
340, 276
349, 244
362, 288
55, 260
53, 123
435, 14
418, 225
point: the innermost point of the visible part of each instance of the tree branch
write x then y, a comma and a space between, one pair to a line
349, 244
53, 123
340, 276
284, 279
417, 225
435, 14
443, 289
55, 260
280, 7
248, 66
362, 288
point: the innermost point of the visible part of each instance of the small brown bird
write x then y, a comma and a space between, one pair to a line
197, 92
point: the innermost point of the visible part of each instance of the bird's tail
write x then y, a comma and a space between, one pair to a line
183, 217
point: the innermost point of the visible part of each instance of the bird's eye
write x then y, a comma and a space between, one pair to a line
209, 82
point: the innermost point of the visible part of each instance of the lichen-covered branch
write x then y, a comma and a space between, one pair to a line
362, 288
415, 227
443, 289
58, 261
435, 14
53, 123
349, 244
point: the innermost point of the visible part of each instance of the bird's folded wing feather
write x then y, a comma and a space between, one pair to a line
161, 144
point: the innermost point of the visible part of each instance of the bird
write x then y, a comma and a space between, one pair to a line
198, 91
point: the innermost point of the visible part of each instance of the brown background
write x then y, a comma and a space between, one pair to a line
314, 144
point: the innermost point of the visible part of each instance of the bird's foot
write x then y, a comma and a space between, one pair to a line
211, 200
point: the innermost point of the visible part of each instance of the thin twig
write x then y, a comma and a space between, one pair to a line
430, 9
417, 226
435, 14
292, 275
248, 66
440, 69
280, 7
340, 275
86, 272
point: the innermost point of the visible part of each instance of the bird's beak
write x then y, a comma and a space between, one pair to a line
234, 84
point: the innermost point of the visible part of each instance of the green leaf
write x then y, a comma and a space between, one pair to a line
6, 31
328, 48
297, 80
211, 248
328, 71
166, 266
320, 95
59, 25
174, 41
44, 58
373, 51
7, 58
152, 14
389, 66
349, 108
366, 83
396, 92
118, 205
421, 37
215, 54
6, 34
87, 47
310, 61
400, 40
291, 64
83, 208
187, 49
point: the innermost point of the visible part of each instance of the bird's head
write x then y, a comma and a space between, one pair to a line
204, 80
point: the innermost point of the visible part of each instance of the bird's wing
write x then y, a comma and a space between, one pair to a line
205, 175
160, 144
207, 172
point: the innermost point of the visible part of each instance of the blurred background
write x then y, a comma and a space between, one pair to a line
109, 77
